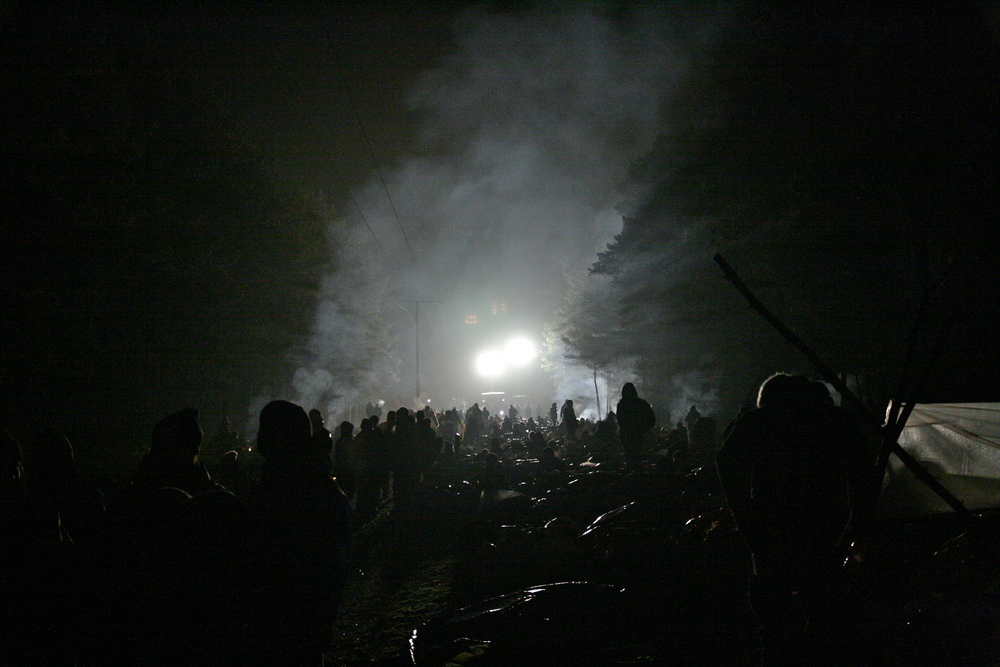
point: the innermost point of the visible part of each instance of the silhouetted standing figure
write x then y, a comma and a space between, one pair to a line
65, 513
569, 419
299, 544
157, 556
366, 504
791, 471
13, 548
173, 458
406, 463
322, 439
635, 418
344, 461
554, 415
691, 418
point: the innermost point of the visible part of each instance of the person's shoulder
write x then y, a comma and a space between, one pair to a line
749, 421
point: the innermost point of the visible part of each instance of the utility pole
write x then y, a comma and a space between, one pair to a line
416, 332
416, 343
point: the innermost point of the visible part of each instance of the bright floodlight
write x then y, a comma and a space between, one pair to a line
489, 363
519, 351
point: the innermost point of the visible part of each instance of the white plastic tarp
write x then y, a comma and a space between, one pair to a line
958, 443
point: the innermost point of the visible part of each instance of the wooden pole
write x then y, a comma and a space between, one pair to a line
846, 394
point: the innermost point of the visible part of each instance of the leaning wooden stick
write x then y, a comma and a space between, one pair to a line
846, 394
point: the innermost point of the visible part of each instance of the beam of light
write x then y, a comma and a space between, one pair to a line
490, 363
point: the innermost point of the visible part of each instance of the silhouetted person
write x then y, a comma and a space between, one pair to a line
233, 475
406, 463
554, 415
428, 443
370, 471
56, 492
791, 471
299, 544
13, 588
691, 418
162, 604
536, 443
549, 466
490, 475
173, 460
635, 419
65, 515
345, 461
224, 440
322, 439
381, 460
702, 438
569, 419
474, 426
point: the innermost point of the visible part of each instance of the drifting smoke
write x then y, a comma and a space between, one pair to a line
530, 128
530, 125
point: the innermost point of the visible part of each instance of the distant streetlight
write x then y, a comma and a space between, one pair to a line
519, 352
515, 353
490, 363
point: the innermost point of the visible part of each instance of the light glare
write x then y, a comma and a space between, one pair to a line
519, 351
489, 363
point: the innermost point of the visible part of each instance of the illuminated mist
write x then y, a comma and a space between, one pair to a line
529, 126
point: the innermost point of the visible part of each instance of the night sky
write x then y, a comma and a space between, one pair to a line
214, 205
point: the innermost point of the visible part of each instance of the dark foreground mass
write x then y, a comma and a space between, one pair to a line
660, 578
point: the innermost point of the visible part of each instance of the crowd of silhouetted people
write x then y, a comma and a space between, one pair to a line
221, 551
172, 567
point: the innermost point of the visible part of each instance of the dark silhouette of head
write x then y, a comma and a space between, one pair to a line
628, 391
285, 431
783, 389
177, 437
316, 420
50, 454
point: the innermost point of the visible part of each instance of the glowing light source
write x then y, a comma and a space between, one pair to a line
519, 351
489, 363
516, 353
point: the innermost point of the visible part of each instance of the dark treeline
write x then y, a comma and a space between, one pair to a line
151, 255
840, 156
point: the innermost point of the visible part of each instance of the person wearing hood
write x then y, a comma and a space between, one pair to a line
635, 418
298, 543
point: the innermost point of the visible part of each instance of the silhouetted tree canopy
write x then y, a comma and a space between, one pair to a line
841, 157
151, 257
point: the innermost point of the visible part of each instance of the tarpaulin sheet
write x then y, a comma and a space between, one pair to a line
958, 443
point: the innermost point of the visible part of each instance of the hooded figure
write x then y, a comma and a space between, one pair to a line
791, 471
635, 417
298, 541
569, 419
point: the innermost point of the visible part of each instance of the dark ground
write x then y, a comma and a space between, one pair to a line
926, 594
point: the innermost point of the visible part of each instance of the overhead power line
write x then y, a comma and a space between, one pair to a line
378, 170
357, 206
